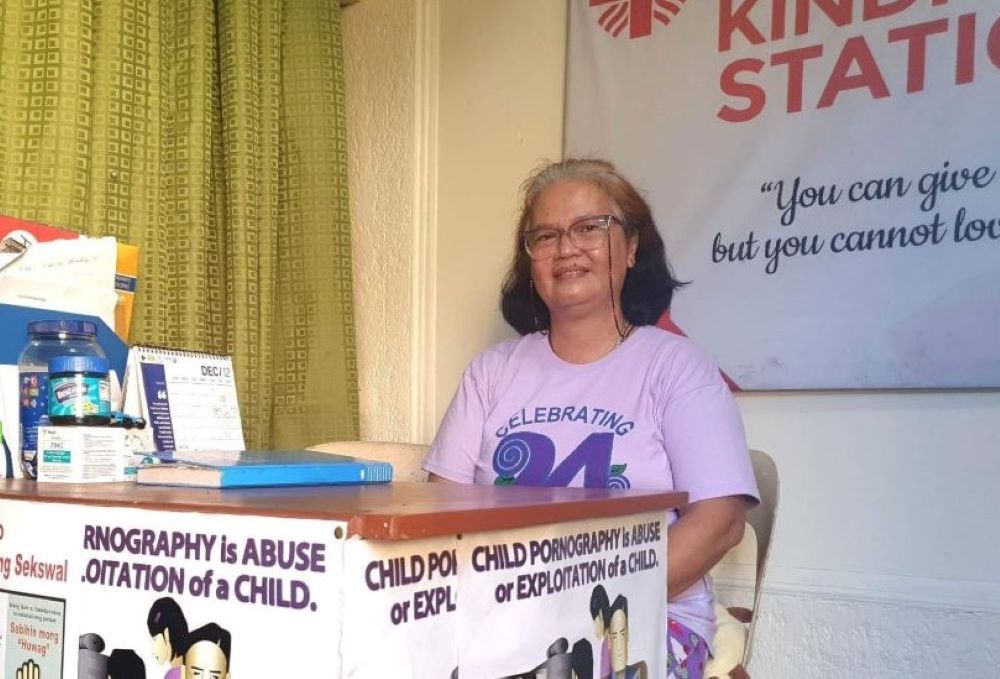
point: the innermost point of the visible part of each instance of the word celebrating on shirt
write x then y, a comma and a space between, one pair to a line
599, 417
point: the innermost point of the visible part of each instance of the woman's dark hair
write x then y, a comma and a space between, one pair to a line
649, 284
166, 614
599, 603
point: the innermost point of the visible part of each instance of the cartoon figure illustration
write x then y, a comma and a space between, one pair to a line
91, 663
207, 654
168, 630
123, 663
600, 610
618, 641
563, 663
582, 660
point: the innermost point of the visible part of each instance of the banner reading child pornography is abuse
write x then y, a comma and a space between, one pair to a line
116, 587
528, 599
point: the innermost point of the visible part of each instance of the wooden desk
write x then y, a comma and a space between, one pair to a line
402, 580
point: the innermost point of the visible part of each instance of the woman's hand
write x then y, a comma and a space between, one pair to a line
705, 531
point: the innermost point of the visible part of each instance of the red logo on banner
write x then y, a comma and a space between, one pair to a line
637, 15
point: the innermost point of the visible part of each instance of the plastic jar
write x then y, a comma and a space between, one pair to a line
46, 340
79, 391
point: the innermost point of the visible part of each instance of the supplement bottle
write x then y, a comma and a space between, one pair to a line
79, 391
46, 340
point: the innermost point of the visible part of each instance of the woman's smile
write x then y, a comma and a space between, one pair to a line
569, 272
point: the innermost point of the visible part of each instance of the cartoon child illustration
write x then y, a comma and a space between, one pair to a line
91, 661
207, 654
600, 607
168, 632
618, 641
121, 663
582, 660
168, 629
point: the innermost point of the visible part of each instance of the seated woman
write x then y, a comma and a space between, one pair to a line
592, 394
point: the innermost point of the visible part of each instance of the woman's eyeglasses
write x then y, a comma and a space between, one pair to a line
586, 234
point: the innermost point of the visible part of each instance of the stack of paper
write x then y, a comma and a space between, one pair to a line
62, 275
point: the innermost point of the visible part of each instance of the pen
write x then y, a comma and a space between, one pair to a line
119, 419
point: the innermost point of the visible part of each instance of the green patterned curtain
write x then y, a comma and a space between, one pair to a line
210, 133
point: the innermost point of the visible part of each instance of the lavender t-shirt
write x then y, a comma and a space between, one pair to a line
652, 414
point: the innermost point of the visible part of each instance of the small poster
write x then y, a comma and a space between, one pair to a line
31, 633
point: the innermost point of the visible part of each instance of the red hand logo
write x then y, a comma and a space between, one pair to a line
637, 15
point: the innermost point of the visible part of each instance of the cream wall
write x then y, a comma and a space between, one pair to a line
500, 115
885, 556
381, 80
434, 189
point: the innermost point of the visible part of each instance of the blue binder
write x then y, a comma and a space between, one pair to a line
246, 468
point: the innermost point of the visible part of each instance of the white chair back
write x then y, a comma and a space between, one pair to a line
405, 458
733, 642
761, 518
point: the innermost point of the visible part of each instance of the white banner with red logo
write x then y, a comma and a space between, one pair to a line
824, 172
